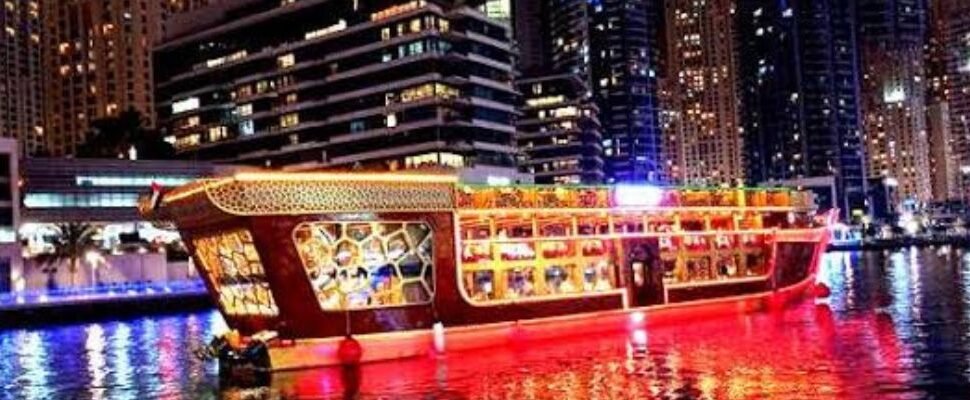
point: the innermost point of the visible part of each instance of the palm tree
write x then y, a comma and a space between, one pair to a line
70, 241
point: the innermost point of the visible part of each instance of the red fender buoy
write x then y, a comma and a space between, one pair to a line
822, 290
349, 351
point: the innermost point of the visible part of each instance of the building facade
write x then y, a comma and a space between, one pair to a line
703, 142
800, 95
340, 84
944, 162
97, 64
11, 261
623, 54
957, 44
559, 131
945, 170
892, 34
21, 109
612, 46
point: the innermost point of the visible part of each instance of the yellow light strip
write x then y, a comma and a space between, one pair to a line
207, 184
622, 210
728, 281
344, 177
204, 186
633, 235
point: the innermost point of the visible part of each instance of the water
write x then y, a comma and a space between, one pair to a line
896, 327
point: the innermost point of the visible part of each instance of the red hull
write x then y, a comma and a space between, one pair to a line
312, 353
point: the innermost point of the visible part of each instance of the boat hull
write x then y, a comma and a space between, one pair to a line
315, 353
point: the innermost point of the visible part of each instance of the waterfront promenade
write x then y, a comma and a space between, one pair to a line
66, 305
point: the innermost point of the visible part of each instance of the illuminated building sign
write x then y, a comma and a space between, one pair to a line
396, 10
544, 101
339, 26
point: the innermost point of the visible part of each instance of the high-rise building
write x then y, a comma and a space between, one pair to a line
703, 144
937, 16
384, 84
21, 110
611, 45
945, 169
623, 52
559, 131
891, 35
97, 64
800, 96
944, 162
957, 44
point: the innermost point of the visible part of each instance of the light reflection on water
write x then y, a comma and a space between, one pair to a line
897, 326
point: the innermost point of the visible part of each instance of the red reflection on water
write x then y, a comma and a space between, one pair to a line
803, 352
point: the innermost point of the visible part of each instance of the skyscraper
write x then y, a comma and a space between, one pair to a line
944, 162
703, 143
800, 97
957, 44
21, 110
623, 54
559, 132
340, 84
892, 34
97, 64
610, 45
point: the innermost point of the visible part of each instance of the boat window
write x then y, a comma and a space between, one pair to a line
518, 262
714, 257
626, 224
356, 265
230, 261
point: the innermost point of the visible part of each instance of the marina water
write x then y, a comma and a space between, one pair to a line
897, 326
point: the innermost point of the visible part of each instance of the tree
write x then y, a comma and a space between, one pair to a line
71, 241
114, 137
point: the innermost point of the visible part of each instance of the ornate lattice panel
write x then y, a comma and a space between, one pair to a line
355, 265
318, 196
232, 263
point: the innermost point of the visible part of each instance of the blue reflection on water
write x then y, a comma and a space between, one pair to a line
140, 358
896, 326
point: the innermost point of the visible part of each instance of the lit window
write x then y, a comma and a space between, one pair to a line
289, 120
188, 141
391, 120
286, 61
357, 126
184, 105
244, 110
191, 122
356, 265
247, 128
442, 159
217, 133
230, 262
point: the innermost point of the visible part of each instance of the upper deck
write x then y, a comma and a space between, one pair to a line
255, 194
